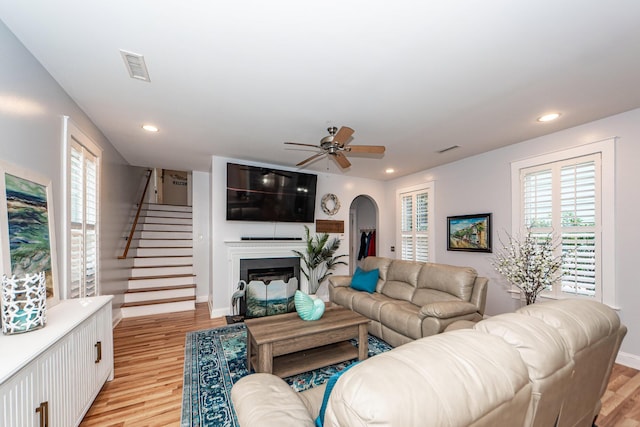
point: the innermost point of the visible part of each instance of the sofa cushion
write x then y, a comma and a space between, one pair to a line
457, 281
369, 305
447, 309
429, 296
279, 403
454, 379
343, 296
402, 291
382, 264
365, 280
402, 317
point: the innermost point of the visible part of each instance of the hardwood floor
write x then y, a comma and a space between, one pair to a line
149, 357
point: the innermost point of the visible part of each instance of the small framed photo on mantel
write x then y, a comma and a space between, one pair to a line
471, 233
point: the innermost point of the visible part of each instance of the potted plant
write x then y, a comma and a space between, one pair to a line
318, 259
529, 264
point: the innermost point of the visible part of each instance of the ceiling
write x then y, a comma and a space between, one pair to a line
239, 78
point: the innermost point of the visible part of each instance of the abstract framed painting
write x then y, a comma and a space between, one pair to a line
27, 227
470, 233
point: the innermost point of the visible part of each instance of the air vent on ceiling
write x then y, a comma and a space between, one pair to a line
135, 65
444, 150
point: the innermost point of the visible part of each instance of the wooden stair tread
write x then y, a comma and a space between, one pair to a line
162, 256
166, 276
157, 301
160, 238
163, 266
160, 288
164, 247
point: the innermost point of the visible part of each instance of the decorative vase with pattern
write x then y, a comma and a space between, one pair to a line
24, 303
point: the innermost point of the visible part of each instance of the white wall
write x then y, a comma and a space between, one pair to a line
201, 233
482, 184
222, 230
32, 106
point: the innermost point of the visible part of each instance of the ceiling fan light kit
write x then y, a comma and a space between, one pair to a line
336, 144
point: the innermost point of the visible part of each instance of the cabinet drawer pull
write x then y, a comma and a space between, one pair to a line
43, 410
99, 351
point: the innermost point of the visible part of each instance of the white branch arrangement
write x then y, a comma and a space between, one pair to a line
529, 264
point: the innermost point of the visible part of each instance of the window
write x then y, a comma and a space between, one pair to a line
83, 166
415, 210
569, 195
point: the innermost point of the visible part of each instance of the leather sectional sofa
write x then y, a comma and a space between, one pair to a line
548, 364
413, 299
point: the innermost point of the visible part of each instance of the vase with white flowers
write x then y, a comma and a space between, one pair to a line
530, 264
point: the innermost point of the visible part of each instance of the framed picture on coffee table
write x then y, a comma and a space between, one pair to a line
470, 233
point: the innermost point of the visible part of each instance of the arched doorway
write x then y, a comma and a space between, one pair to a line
363, 219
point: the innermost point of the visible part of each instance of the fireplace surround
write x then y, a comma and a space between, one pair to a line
261, 255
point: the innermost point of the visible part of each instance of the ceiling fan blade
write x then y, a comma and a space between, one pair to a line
315, 156
304, 145
341, 160
343, 135
374, 149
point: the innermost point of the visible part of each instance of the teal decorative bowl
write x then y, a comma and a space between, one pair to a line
308, 308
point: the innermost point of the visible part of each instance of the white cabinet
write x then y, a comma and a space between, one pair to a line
51, 376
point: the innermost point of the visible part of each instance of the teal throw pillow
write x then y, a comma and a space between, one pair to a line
327, 392
365, 280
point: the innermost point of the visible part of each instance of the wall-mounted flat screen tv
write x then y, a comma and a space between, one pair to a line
257, 193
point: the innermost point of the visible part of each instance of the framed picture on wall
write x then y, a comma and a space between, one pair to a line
27, 227
470, 233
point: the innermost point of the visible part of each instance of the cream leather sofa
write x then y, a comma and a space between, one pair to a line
545, 364
413, 299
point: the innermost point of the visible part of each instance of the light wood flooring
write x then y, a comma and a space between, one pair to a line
149, 357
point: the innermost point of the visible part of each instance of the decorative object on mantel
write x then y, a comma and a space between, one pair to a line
330, 204
24, 303
329, 226
27, 238
318, 258
530, 264
308, 308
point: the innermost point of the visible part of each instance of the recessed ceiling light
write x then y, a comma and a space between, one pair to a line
548, 117
150, 128
389, 170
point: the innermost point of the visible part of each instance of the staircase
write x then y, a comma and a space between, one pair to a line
161, 279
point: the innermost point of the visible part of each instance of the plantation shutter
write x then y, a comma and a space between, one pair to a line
563, 198
84, 221
422, 225
578, 209
407, 227
414, 226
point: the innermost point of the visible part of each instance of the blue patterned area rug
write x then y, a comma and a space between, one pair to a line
216, 358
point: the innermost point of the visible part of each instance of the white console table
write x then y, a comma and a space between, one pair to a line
51, 376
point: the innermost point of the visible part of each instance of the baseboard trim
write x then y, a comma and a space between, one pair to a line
117, 317
217, 312
202, 298
628, 360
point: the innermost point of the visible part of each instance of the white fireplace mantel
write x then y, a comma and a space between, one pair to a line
253, 249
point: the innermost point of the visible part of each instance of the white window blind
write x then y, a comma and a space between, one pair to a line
562, 198
83, 215
414, 225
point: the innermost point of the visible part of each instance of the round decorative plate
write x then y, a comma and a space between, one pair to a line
330, 204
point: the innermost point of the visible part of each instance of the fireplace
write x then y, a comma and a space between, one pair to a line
269, 285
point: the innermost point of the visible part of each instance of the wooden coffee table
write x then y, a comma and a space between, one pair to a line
286, 345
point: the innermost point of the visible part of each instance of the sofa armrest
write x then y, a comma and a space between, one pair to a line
447, 309
344, 281
267, 401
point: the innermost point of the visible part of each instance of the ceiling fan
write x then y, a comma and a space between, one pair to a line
336, 144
